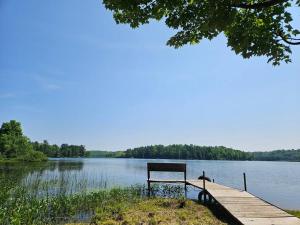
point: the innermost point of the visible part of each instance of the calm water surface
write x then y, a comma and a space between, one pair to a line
276, 182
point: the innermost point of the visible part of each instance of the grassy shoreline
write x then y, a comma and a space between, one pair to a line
18, 205
27, 198
36, 203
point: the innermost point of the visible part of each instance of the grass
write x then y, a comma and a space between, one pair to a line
19, 207
294, 212
29, 199
36, 203
154, 211
57, 201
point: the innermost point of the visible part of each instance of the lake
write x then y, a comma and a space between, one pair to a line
276, 182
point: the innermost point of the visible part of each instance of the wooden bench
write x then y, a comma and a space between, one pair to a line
166, 167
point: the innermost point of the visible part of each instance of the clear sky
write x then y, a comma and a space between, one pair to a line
69, 74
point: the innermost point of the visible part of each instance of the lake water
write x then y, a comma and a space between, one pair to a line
276, 182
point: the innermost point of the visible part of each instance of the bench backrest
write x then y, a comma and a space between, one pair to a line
166, 167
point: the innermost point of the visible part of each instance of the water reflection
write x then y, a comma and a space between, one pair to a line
52, 176
62, 165
19, 170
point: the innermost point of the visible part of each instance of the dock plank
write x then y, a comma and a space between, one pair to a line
245, 207
273, 221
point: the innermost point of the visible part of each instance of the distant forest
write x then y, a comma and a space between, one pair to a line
56, 151
197, 152
187, 152
278, 155
14, 145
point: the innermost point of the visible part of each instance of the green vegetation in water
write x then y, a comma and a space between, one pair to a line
28, 197
51, 203
63, 200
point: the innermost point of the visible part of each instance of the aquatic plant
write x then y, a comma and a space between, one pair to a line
54, 200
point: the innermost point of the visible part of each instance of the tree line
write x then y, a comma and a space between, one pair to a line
14, 145
176, 152
56, 151
187, 152
278, 155
197, 152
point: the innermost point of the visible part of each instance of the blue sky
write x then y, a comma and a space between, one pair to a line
71, 75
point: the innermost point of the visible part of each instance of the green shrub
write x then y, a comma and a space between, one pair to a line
32, 156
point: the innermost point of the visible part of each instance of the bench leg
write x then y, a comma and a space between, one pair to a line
148, 188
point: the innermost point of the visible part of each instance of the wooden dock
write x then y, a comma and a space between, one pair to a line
244, 207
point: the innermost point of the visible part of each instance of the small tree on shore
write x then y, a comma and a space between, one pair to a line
13, 144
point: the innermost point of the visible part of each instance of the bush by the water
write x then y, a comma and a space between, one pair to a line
32, 156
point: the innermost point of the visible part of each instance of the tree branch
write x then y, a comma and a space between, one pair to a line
287, 40
259, 5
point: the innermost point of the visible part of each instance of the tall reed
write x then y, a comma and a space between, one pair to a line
57, 200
